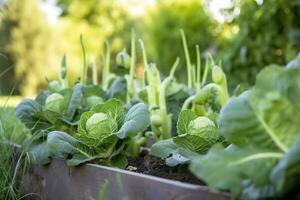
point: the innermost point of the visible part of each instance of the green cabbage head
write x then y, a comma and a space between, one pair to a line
197, 133
94, 100
54, 102
198, 124
94, 127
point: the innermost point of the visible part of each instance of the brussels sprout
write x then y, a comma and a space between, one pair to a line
100, 125
94, 100
217, 74
199, 123
54, 102
123, 59
156, 120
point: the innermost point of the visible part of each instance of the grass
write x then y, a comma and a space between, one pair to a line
12, 131
9, 101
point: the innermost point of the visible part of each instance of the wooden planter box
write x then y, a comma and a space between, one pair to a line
58, 181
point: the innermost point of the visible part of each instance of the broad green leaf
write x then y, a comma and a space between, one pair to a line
38, 149
42, 96
200, 142
27, 112
266, 116
119, 161
294, 63
228, 169
112, 107
118, 89
61, 143
76, 102
136, 120
184, 119
174, 155
286, 174
163, 148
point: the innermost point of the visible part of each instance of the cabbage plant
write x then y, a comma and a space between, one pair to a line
262, 125
108, 133
196, 134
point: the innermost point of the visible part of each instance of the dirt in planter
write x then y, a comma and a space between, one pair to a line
150, 165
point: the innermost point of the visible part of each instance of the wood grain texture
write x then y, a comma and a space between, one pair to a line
57, 181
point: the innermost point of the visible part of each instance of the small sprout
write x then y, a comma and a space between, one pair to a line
54, 86
156, 120
123, 60
217, 74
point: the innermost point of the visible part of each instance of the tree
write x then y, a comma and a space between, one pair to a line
27, 43
265, 32
162, 32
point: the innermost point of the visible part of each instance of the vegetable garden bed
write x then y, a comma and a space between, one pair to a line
57, 181
247, 143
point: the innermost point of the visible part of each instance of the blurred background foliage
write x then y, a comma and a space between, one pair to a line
250, 35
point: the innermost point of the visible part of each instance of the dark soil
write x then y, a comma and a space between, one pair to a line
150, 165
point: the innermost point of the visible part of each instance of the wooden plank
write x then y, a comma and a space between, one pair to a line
58, 181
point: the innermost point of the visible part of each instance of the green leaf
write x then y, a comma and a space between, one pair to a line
174, 155
286, 174
265, 116
184, 119
61, 143
229, 169
118, 89
119, 161
38, 149
163, 148
136, 120
76, 102
200, 142
294, 63
26, 111
112, 107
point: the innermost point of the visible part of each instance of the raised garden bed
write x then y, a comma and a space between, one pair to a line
58, 181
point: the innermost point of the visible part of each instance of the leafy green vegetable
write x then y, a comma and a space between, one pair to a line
61, 143
195, 133
136, 120
263, 124
54, 102
265, 116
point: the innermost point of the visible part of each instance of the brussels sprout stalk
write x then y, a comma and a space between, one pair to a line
63, 73
95, 72
134, 144
198, 69
130, 85
160, 119
166, 118
105, 71
84, 73
188, 60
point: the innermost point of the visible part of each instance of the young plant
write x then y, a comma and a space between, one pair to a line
161, 121
107, 134
262, 125
210, 98
195, 136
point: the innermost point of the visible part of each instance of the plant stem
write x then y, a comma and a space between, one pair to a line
95, 72
105, 71
83, 79
130, 86
166, 119
198, 68
63, 73
188, 60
